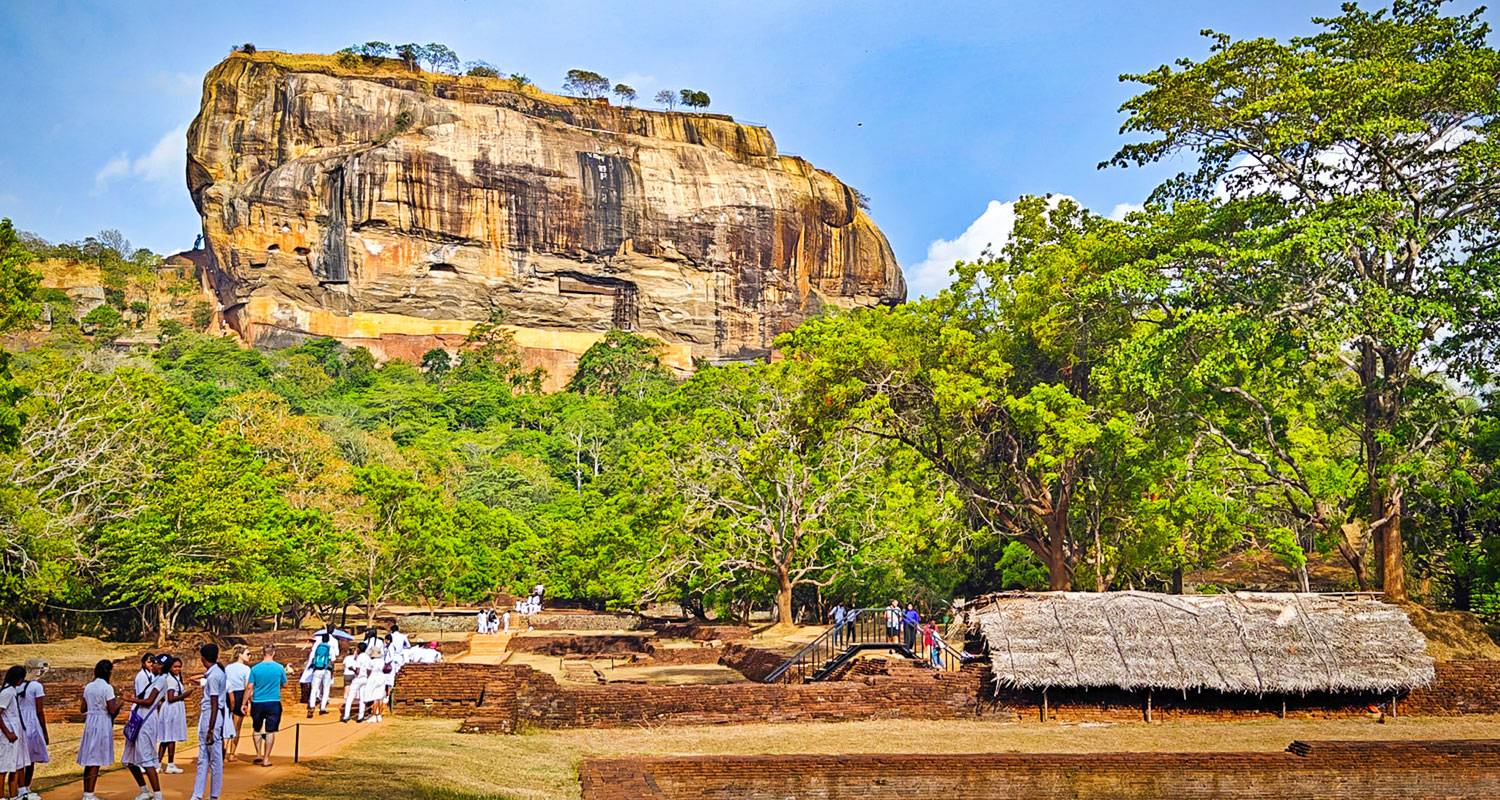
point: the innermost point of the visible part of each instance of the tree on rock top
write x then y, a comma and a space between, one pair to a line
584, 83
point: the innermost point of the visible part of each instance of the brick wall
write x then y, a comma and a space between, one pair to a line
755, 663
1461, 687
521, 697
701, 631
600, 644
1326, 771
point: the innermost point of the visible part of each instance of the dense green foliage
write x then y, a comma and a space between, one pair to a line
1290, 351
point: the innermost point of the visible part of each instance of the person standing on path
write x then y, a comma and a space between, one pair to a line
266, 681
173, 717
13, 753
911, 624
892, 621
838, 615
213, 726
320, 662
34, 723
934, 644
236, 678
100, 707
354, 689
140, 751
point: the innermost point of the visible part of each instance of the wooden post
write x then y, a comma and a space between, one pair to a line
1044, 704
1148, 705
1393, 706
1283, 706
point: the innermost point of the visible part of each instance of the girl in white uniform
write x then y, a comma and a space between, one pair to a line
173, 727
354, 690
14, 755
99, 706
373, 692
141, 753
34, 721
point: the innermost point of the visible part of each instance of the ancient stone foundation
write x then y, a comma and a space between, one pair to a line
1306, 771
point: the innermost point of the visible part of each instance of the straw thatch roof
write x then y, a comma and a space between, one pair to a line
1242, 642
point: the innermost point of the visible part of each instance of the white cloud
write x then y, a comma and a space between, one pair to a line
1120, 210
162, 167
989, 232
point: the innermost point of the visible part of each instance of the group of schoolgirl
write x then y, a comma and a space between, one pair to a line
23, 729
370, 671
157, 722
489, 621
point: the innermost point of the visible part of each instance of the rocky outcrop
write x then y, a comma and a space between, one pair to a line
395, 210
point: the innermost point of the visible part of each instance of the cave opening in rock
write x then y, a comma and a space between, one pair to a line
442, 269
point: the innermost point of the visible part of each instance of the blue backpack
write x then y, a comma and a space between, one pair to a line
320, 659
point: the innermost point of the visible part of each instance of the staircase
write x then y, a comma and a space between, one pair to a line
865, 631
491, 648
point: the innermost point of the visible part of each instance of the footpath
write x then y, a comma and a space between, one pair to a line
320, 737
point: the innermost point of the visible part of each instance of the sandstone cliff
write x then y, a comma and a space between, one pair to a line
394, 210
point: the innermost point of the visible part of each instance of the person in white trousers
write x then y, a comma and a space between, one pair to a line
320, 661
353, 690
214, 724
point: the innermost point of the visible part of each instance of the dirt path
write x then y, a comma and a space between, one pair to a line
319, 739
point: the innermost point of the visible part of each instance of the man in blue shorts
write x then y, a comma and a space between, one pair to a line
264, 691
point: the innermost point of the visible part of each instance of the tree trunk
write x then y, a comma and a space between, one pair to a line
161, 625
783, 598
1059, 574
1388, 543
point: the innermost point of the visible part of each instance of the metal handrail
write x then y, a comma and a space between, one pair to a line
864, 628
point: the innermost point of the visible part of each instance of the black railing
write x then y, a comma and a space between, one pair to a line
864, 630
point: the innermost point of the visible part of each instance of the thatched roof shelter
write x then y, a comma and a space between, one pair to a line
1244, 642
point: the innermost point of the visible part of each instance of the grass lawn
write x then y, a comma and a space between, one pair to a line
426, 759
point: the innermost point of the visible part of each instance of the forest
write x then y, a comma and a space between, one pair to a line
1291, 349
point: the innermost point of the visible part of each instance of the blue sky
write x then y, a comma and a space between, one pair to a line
941, 112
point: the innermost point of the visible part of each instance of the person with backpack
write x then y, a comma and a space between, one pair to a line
34, 723
100, 706
173, 717
13, 753
143, 728
214, 726
320, 661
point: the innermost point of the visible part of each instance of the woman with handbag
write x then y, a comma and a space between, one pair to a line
143, 729
13, 753
34, 722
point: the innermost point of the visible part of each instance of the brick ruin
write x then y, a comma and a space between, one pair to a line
1305, 771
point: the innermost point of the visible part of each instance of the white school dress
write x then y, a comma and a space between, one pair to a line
14, 756
374, 685
173, 725
97, 749
32, 691
142, 753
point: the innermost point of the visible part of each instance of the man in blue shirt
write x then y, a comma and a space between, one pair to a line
264, 696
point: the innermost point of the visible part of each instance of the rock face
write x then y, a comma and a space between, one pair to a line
395, 210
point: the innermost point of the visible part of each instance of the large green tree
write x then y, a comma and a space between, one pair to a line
1359, 173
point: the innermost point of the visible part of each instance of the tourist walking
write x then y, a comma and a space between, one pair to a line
144, 727
839, 616
100, 706
13, 752
33, 725
173, 721
266, 681
933, 643
236, 678
354, 687
320, 663
214, 726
